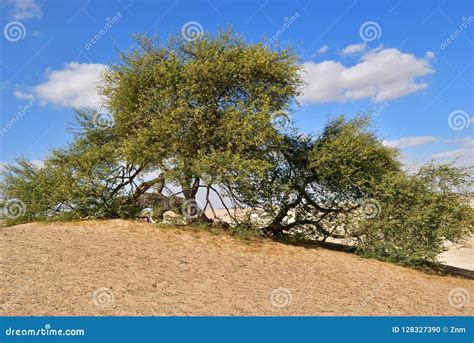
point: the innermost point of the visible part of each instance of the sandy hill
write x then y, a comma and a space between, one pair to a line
134, 268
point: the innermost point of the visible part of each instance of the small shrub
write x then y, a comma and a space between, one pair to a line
245, 232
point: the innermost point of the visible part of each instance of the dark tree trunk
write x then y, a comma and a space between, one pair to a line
190, 187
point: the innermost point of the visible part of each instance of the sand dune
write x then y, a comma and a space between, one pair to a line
134, 268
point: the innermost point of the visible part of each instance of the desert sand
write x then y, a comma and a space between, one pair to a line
120, 267
461, 256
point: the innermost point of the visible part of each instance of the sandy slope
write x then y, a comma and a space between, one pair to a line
136, 268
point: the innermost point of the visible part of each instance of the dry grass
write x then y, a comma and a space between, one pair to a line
54, 269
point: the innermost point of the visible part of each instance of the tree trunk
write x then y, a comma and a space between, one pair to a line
191, 209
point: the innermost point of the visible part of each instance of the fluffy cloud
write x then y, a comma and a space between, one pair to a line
323, 49
466, 142
25, 9
380, 74
410, 141
73, 86
430, 55
463, 155
24, 96
354, 48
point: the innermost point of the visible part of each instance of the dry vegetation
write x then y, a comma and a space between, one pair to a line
54, 269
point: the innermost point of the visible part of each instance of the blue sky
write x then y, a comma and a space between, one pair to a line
409, 63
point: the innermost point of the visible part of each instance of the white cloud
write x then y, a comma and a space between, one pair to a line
380, 74
430, 55
23, 96
354, 48
410, 141
25, 9
465, 142
323, 49
463, 156
73, 86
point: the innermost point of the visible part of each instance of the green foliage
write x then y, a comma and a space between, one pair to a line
33, 187
349, 155
83, 180
315, 182
418, 214
201, 109
245, 232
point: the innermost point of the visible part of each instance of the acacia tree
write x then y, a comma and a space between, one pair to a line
200, 113
193, 114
